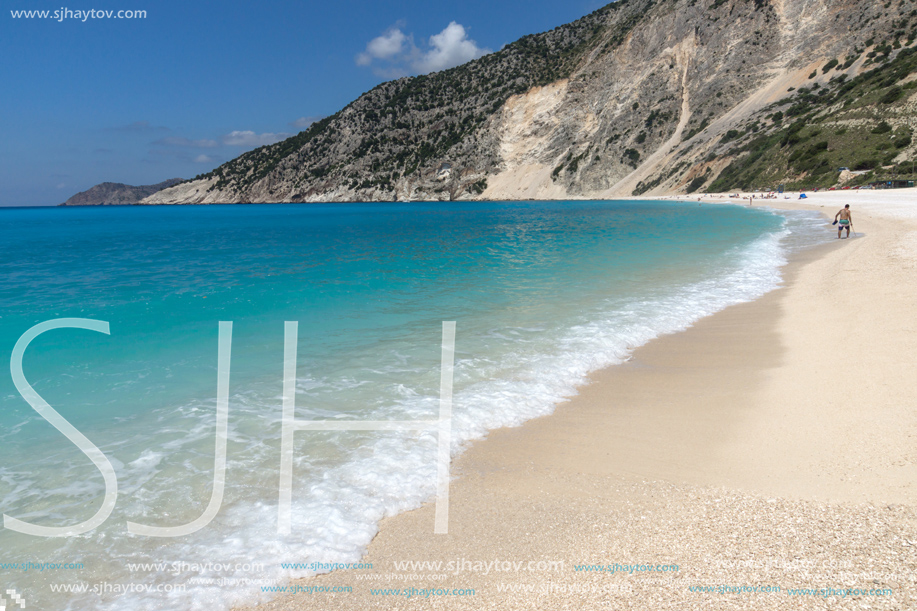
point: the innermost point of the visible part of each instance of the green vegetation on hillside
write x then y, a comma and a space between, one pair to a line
855, 123
401, 126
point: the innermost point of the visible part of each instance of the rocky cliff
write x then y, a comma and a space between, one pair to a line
116, 193
639, 97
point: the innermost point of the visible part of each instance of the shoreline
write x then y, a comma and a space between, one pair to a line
787, 198
709, 445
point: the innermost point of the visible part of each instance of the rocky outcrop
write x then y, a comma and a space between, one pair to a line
117, 194
637, 97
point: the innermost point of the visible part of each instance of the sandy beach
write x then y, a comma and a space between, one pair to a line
766, 458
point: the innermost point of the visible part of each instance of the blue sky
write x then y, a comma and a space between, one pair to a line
197, 82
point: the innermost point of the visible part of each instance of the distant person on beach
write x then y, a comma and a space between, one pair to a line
844, 221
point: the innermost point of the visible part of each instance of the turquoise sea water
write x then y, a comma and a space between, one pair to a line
542, 294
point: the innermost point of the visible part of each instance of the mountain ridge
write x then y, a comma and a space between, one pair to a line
117, 194
637, 97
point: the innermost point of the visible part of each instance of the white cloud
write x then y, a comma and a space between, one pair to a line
250, 138
398, 55
387, 46
451, 48
204, 159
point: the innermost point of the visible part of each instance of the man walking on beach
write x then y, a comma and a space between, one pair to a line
844, 221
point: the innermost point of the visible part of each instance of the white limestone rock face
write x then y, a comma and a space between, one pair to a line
633, 98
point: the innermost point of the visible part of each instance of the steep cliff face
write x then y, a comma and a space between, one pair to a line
642, 96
